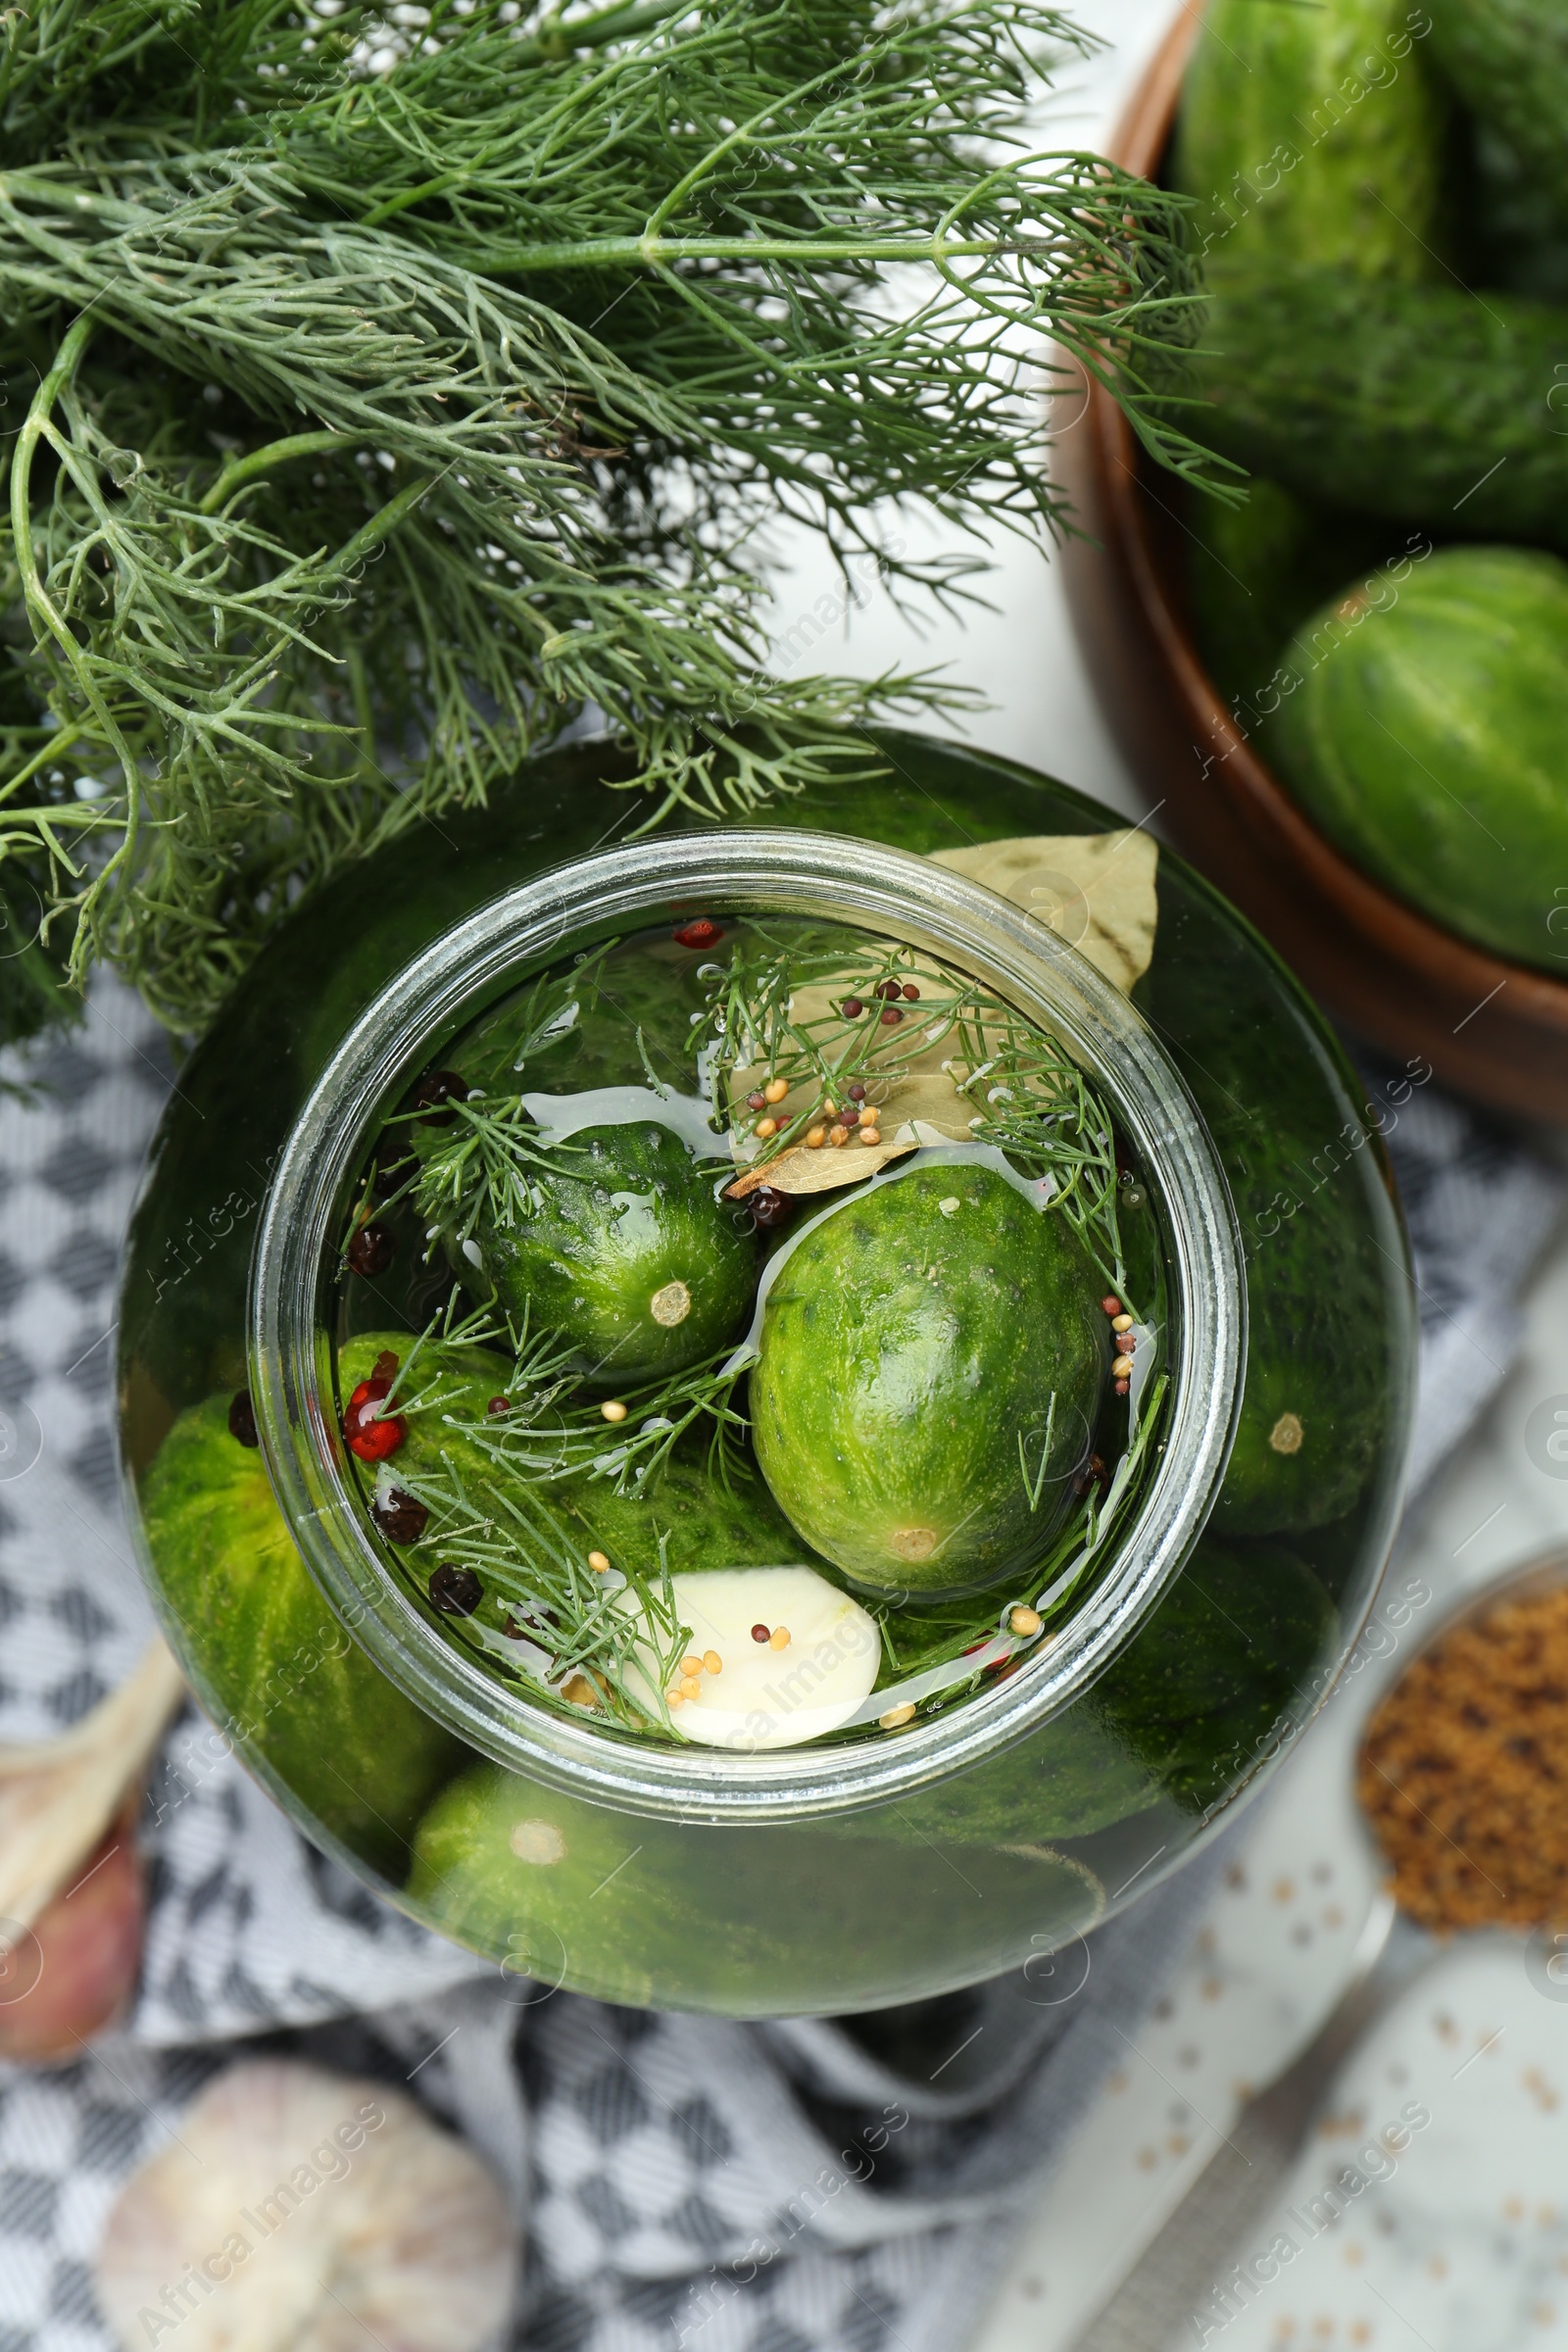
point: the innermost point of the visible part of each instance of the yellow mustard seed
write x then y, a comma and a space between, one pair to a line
815, 1138
779, 1637
767, 1128
1121, 1368
776, 1089
599, 1562
1121, 1322
1025, 1621
895, 1716
713, 1661
612, 1409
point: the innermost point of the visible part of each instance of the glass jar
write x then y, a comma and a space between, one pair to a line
828, 1877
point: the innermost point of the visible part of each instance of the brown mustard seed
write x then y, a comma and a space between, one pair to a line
1463, 1767
761, 1633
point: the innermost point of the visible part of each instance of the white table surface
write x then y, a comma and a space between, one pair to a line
1465, 2248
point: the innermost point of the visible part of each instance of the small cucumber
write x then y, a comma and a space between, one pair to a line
1508, 61
1429, 737
1314, 135
1423, 404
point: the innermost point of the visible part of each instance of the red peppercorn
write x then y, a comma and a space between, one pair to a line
1122, 1388
891, 1016
911, 995
372, 1440
372, 1249
851, 1008
242, 1418
849, 1116
756, 1101
761, 1633
1111, 1306
700, 932
886, 988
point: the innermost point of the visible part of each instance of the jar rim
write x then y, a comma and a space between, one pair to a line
813, 875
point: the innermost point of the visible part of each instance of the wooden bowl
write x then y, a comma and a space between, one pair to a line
1494, 1030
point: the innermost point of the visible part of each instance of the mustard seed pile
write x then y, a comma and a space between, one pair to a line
1463, 1772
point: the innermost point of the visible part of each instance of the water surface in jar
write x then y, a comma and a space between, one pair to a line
751, 1335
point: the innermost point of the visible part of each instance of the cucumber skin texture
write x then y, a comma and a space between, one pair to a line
364, 1758
1257, 571
866, 1362
740, 1925
1229, 1652
1320, 85
579, 1267
1509, 60
1415, 403
1430, 744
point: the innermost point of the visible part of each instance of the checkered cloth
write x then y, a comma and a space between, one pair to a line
786, 2188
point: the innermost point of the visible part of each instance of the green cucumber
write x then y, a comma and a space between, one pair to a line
640, 1911
1219, 1669
1314, 135
1509, 61
1257, 569
900, 1424
278, 1670
1328, 1302
629, 1253
1422, 404
1429, 737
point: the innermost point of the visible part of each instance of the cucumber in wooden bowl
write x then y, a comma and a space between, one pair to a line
1429, 737
1315, 134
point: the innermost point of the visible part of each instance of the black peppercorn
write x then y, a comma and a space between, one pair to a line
242, 1418
770, 1207
456, 1591
436, 1089
399, 1518
372, 1249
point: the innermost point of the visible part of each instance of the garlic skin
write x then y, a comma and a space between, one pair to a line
764, 1696
59, 1797
300, 2211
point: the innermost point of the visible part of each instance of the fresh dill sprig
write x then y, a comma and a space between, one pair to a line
389, 401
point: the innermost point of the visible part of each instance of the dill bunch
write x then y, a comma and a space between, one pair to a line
385, 401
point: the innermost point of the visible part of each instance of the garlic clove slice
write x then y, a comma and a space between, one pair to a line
768, 1692
300, 2211
58, 1797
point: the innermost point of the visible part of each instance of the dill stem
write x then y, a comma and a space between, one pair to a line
655, 250
36, 428
241, 470
59, 740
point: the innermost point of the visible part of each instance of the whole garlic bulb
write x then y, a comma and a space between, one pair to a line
300, 2211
